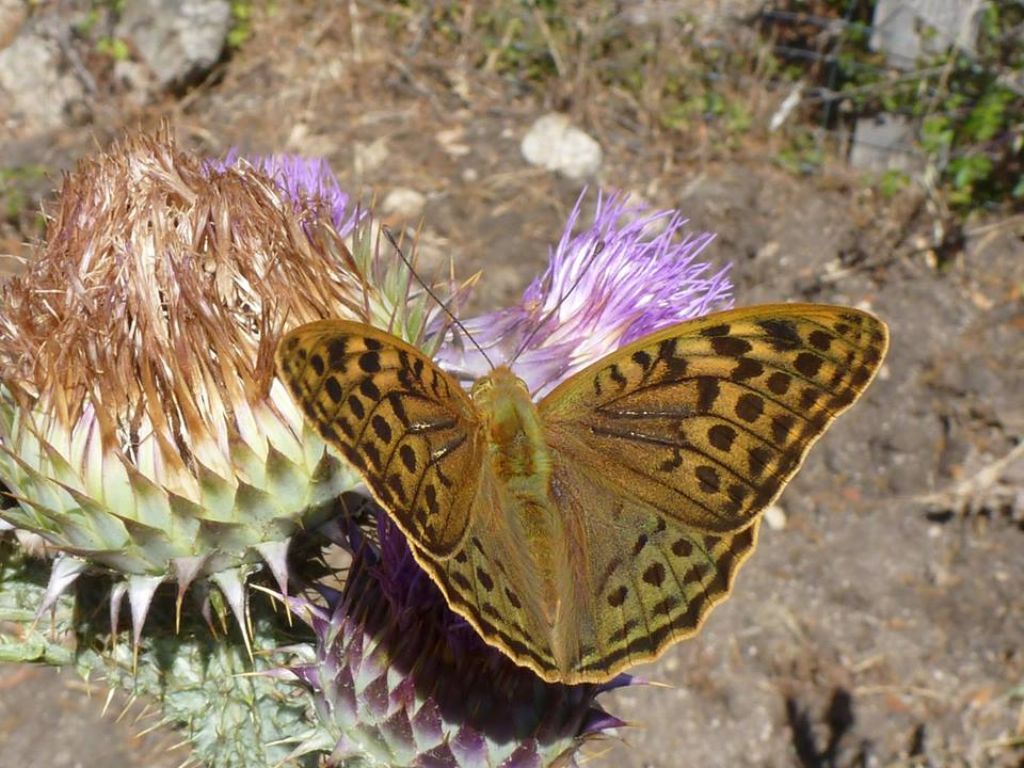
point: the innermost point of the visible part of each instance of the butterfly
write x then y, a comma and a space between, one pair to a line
589, 531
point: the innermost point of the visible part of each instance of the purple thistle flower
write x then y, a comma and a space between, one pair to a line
398, 678
605, 287
308, 181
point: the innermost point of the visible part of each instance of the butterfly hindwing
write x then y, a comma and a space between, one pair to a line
708, 420
406, 425
646, 581
491, 581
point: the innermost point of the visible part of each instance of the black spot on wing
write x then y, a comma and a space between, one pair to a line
781, 334
779, 382
333, 389
820, 340
618, 596
746, 369
730, 346
749, 407
616, 375
484, 579
808, 397
708, 479
408, 457
369, 390
369, 362
643, 359
655, 576
395, 401
336, 354
716, 330
356, 406
721, 436
381, 428
781, 426
808, 364
707, 393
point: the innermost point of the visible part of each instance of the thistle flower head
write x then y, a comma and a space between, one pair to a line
604, 287
141, 427
308, 182
400, 680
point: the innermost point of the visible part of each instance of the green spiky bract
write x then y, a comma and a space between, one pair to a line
203, 683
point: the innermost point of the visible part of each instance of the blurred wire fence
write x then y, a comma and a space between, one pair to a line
930, 90
910, 86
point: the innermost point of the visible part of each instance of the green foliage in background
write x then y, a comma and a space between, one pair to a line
18, 197
677, 78
520, 39
579, 54
969, 106
241, 23
114, 47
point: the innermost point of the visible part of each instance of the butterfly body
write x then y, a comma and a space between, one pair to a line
591, 530
520, 484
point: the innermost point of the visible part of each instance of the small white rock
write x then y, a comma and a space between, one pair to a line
179, 42
36, 90
452, 141
768, 251
555, 144
775, 517
404, 202
368, 157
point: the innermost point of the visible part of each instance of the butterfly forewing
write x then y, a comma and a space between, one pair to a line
397, 418
707, 421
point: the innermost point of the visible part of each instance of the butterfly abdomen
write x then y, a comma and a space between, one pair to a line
521, 465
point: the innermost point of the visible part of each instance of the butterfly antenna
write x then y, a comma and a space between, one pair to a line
444, 307
594, 253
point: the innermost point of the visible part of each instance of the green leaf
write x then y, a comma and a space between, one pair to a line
988, 117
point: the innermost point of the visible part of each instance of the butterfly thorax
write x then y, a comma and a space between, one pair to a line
513, 431
521, 465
